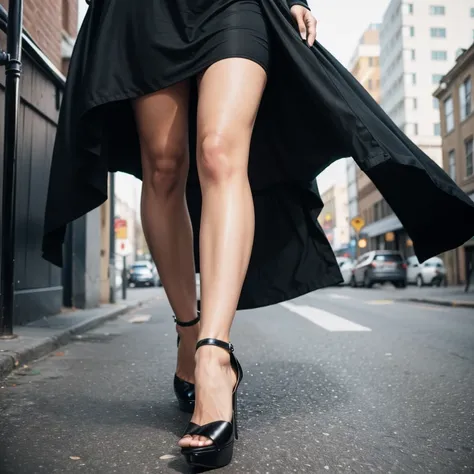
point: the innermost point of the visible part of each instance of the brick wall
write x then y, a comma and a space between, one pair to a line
46, 20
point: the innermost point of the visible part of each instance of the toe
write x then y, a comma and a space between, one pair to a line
185, 441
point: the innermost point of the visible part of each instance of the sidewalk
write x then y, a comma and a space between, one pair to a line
41, 337
453, 296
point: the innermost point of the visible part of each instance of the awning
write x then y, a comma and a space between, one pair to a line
387, 224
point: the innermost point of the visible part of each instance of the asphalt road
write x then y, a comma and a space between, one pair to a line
342, 380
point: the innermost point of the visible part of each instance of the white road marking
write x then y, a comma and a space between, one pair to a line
337, 296
324, 319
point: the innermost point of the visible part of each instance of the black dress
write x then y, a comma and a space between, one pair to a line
312, 113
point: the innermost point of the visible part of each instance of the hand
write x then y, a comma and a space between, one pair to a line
306, 23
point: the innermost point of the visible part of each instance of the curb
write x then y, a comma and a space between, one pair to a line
10, 360
451, 304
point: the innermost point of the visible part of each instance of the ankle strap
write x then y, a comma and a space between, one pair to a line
215, 342
185, 324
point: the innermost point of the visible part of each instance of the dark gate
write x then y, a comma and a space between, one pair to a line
38, 285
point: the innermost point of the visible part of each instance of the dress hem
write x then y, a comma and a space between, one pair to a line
332, 278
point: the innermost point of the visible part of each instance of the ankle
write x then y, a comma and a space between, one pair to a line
188, 333
211, 355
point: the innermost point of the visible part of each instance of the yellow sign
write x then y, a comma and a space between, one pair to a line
357, 223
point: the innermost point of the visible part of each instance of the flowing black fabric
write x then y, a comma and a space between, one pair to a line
313, 112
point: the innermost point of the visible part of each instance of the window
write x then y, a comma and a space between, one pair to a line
407, 8
465, 93
371, 62
436, 78
437, 129
415, 129
449, 114
412, 31
413, 54
438, 32
413, 78
389, 258
435, 103
370, 85
472, 12
439, 55
452, 165
415, 103
468, 145
437, 10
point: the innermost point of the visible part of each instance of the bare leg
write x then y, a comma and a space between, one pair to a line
162, 126
229, 95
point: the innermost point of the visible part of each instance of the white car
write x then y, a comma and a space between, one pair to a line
345, 265
432, 272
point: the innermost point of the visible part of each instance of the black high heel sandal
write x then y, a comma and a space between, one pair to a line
221, 433
185, 391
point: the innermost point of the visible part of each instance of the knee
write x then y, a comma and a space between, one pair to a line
217, 158
166, 167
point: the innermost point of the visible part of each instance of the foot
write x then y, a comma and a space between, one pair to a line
215, 382
186, 364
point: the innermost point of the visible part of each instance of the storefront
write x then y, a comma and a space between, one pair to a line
388, 234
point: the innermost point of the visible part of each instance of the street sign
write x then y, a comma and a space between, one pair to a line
357, 223
120, 226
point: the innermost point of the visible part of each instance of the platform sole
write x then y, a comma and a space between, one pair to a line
208, 458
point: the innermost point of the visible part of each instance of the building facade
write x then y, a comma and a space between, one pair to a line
457, 128
52, 24
419, 43
334, 217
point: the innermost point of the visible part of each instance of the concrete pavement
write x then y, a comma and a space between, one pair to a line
341, 380
40, 337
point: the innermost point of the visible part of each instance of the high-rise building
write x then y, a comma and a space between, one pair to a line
365, 67
419, 43
364, 64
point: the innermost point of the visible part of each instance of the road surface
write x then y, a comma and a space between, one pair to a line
341, 380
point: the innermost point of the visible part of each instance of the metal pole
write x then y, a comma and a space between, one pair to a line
124, 278
112, 238
12, 62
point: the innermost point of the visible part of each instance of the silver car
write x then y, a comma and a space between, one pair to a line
432, 272
380, 266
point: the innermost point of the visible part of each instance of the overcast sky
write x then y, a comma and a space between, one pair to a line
340, 25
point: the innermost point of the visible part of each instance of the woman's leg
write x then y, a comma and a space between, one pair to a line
229, 96
162, 126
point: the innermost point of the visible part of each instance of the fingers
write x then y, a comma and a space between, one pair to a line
306, 24
301, 24
310, 23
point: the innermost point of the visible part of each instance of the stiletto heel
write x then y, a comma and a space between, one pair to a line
221, 433
185, 391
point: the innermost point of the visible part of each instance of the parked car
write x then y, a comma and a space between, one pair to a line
432, 272
380, 266
143, 273
346, 265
